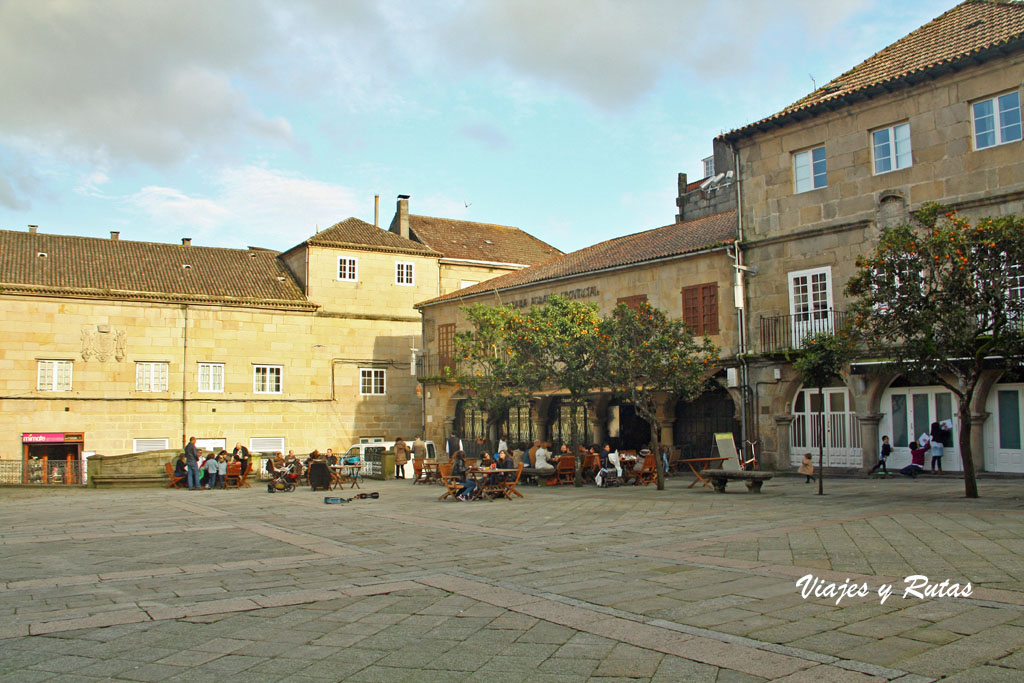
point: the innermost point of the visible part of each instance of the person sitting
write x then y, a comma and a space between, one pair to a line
459, 472
179, 466
541, 463
916, 465
519, 456
609, 460
241, 456
319, 475
331, 458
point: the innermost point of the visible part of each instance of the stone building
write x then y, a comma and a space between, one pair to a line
933, 117
685, 269
115, 346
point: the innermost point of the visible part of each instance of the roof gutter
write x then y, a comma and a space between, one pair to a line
474, 262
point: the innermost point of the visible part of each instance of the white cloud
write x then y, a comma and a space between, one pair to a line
251, 205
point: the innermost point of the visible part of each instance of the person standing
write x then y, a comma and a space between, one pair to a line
807, 468
882, 455
222, 469
452, 445
401, 457
192, 464
211, 471
419, 448
939, 436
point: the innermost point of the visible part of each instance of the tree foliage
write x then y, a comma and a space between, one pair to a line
490, 368
645, 356
941, 298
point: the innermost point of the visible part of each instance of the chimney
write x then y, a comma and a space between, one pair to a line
400, 223
186, 241
32, 229
376, 210
114, 235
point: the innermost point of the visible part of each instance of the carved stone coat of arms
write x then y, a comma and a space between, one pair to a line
103, 343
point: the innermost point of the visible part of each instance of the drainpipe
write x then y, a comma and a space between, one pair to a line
184, 374
741, 300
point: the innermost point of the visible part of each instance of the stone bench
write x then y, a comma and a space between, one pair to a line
753, 479
128, 480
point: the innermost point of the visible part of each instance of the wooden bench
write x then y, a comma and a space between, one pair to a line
753, 479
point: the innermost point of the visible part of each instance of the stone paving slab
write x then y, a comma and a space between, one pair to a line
563, 585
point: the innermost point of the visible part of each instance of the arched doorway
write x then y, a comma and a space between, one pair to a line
633, 433
841, 427
560, 422
697, 422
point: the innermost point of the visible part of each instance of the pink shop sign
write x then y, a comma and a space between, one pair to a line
48, 437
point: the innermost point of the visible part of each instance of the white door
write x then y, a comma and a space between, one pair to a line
841, 428
810, 303
908, 413
1004, 450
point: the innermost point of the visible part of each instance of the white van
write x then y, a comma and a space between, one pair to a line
357, 453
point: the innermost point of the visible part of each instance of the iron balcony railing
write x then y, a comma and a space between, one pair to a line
431, 366
787, 332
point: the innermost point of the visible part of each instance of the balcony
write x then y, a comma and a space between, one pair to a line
431, 366
787, 332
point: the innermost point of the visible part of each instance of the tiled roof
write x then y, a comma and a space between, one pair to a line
122, 269
970, 32
480, 241
353, 233
671, 240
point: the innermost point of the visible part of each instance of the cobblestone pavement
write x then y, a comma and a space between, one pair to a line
563, 585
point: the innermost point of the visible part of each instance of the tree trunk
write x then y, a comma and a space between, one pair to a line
655, 437
966, 457
574, 446
821, 442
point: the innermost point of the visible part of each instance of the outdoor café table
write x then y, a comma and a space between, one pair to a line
431, 471
698, 465
345, 473
480, 474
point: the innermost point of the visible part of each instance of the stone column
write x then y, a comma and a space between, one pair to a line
539, 417
597, 414
779, 460
978, 440
667, 418
869, 440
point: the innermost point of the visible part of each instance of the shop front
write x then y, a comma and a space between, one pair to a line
52, 457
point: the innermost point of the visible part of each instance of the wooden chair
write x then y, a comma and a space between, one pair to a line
648, 471
673, 461
173, 480
418, 476
452, 484
511, 484
565, 470
233, 475
242, 480
591, 464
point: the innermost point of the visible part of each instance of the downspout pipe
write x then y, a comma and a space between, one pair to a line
741, 301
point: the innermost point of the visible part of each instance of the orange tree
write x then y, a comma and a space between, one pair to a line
555, 343
942, 300
490, 369
644, 355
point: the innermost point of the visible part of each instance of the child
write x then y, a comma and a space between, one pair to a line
916, 465
807, 467
222, 469
883, 454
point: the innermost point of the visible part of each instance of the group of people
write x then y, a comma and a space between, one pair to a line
209, 470
404, 453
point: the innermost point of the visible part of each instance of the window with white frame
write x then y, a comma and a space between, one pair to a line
211, 378
996, 120
810, 302
348, 268
266, 379
403, 273
891, 148
809, 169
709, 166
54, 375
151, 377
371, 382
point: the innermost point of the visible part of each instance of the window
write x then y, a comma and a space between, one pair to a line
143, 445
891, 148
348, 269
809, 169
266, 379
54, 375
700, 308
709, 167
211, 378
266, 444
996, 120
151, 377
445, 343
632, 301
371, 382
403, 274
810, 302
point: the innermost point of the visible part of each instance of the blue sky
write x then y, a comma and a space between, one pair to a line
249, 122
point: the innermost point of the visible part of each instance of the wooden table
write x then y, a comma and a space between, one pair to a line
697, 466
480, 475
430, 472
341, 474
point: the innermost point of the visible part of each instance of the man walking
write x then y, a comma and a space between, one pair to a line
192, 464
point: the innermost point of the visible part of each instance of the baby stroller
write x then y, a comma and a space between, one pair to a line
283, 480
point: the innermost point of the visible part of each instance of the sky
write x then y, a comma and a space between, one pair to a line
257, 122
